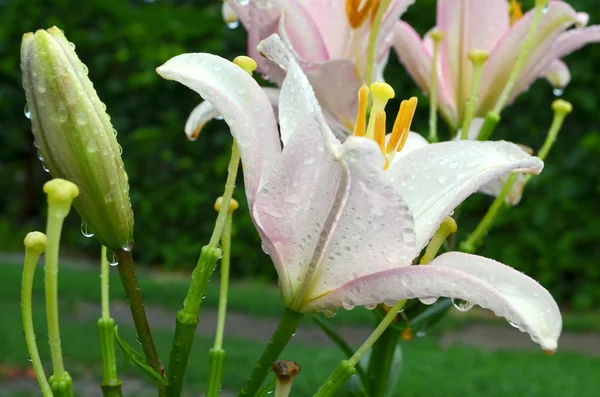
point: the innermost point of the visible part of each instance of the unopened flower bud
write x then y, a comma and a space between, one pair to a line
74, 135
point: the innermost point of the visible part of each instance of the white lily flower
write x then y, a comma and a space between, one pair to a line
343, 231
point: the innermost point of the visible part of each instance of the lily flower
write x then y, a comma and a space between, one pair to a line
329, 39
469, 25
341, 228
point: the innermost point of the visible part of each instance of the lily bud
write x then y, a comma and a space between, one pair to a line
74, 135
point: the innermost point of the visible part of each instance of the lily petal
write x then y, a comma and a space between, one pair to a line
205, 111
416, 58
541, 61
437, 178
243, 104
330, 18
558, 74
475, 279
467, 26
374, 222
558, 17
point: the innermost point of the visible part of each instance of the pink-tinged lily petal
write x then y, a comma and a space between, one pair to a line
435, 179
205, 112
582, 19
336, 83
467, 25
332, 22
475, 279
416, 58
540, 61
558, 74
374, 230
243, 104
413, 142
558, 17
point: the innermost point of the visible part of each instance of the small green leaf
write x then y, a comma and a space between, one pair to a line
139, 361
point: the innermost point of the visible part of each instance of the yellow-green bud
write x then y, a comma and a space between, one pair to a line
74, 135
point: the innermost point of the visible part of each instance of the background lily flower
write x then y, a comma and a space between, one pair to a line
340, 229
329, 40
470, 25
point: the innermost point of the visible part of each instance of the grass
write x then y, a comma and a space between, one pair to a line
459, 371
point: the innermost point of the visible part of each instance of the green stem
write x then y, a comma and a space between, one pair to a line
471, 244
373, 34
346, 368
31, 259
111, 384
380, 362
477, 58
217, 354
53, 231
436, 36
62, 387
489, 124
285, 330
522, 57
138, 312
187, 318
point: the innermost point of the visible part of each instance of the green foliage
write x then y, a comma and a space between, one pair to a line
552, 235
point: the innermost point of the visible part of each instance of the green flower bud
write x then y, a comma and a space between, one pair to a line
74, 136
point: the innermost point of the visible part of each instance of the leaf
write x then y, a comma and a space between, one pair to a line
139, 361
394, 376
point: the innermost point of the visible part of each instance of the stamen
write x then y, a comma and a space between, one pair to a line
361, 117
357, 14
246, 63
380, 130
374, 8
478, 59
515, 11
447, 227
436, 37
381, 93
401, 127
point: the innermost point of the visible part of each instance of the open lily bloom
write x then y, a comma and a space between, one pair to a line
341, 229
329, 39
470, 25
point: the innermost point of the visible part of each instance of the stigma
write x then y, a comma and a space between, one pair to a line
375, 129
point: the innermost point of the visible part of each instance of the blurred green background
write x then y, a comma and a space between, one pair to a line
552, 235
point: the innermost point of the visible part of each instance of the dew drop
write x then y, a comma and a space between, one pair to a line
243, 2
86, 230
329, 312
428, 301
27, 112
421, 334
111, 258
558, 92
115, 132
108, 197
545, 9
72, 45
45, 168
39, 156
513, 324
233, 24
128, 246
371, 306
461, 305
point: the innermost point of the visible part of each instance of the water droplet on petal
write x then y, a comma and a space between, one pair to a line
243, 2
233, 24
128, 246
558, 91
45, 168
545, 9
461, 305
428, 301
39, 156
111, 258
86, 230
27, 112
513, 324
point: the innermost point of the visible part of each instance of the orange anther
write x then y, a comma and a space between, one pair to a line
361, 116
380, 129
357, 14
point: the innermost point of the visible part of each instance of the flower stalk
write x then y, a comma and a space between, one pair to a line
111, 384
436, 36
477, 58
217, 354
60, 194
35, 245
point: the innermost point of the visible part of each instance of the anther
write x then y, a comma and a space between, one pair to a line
361, 117
246, 63
515, 11
402, 125
357, 14
381, 93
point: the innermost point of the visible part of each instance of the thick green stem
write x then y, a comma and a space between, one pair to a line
111, 384
285, 330
472, 242
216, 356
138, 312
489, 124
187, 318
380, 362
34, 246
